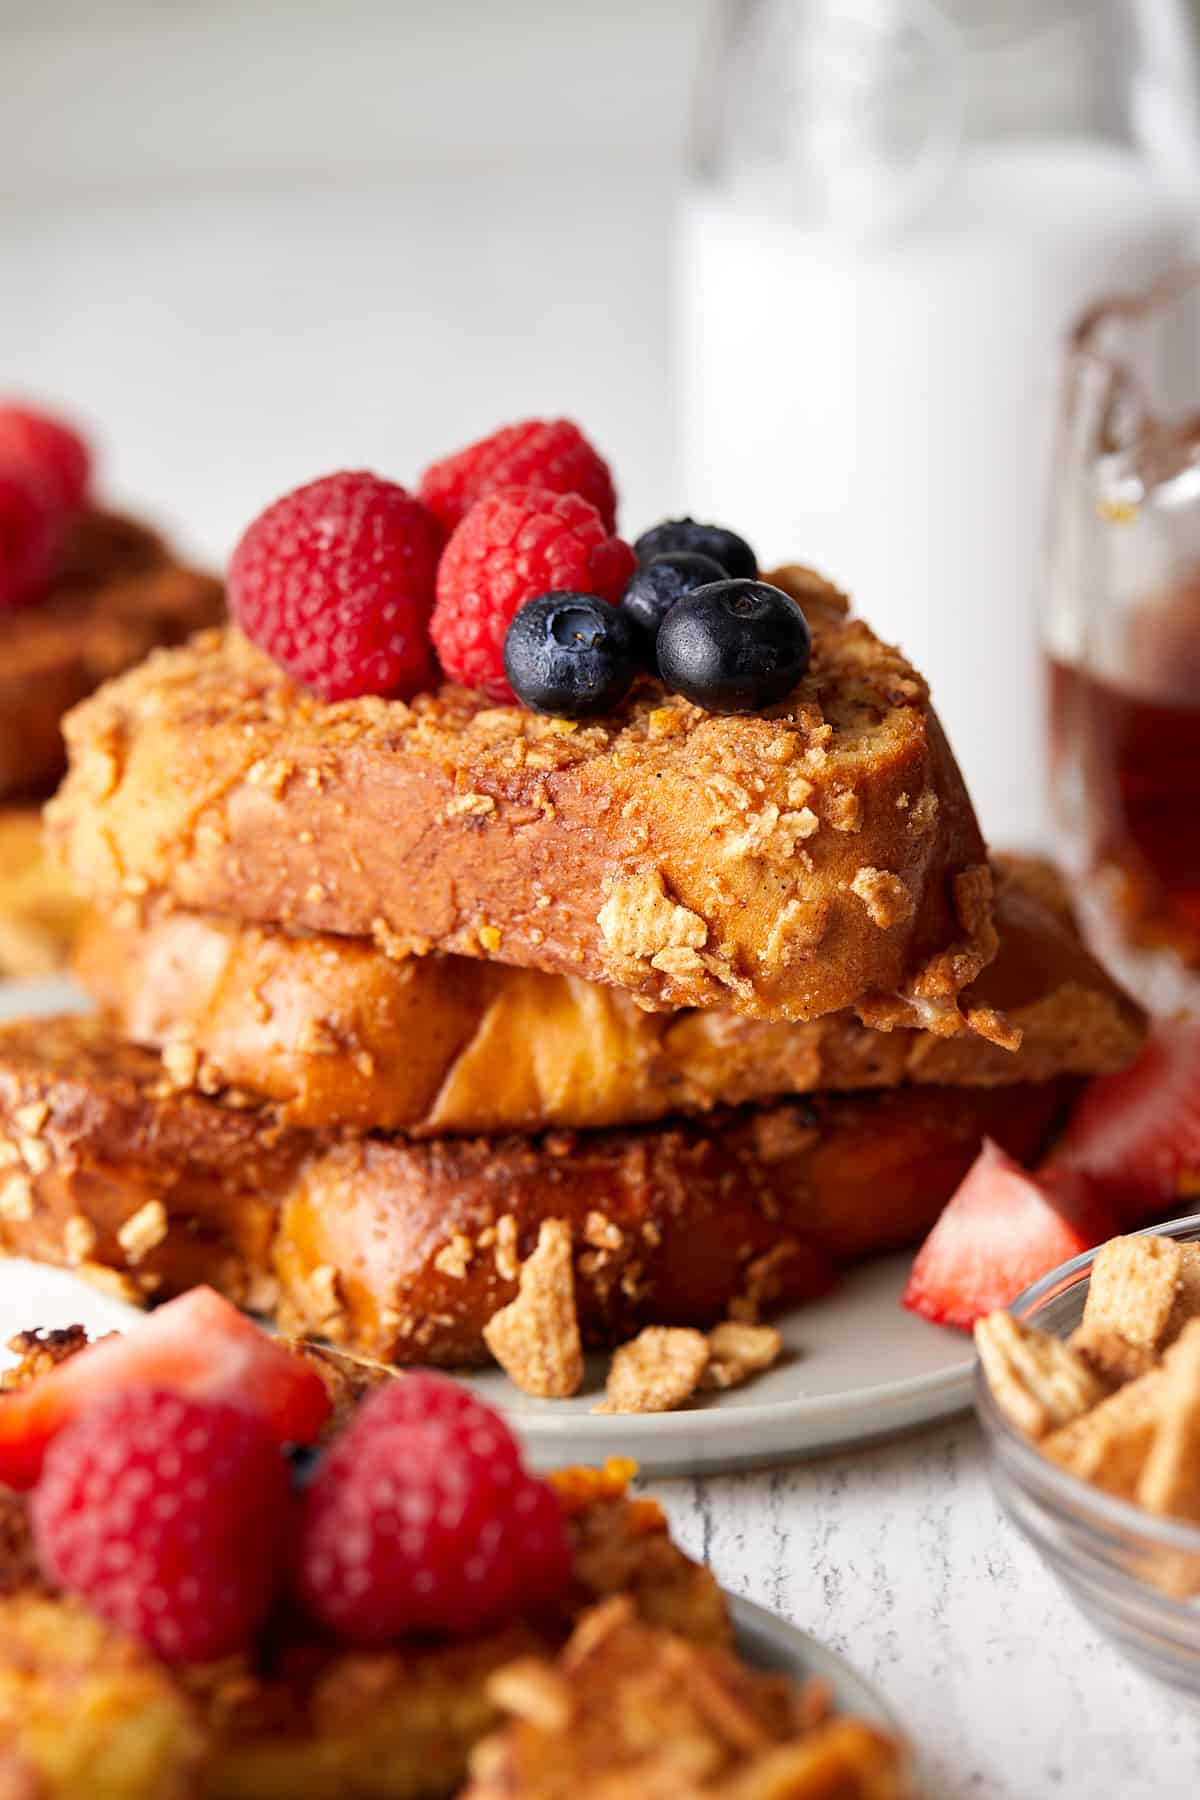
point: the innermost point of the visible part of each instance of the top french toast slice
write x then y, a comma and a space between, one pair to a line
817, 856
118, 594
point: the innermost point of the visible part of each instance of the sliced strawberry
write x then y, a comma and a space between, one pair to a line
198, 1344
1002, 1229
1137, 1134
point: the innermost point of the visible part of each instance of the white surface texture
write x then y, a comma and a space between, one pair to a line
245, 245
898, 1558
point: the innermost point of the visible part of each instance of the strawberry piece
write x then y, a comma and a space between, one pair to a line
198, 1344
1136, 1134
1002, 1229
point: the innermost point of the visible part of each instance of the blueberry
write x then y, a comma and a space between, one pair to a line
570, 654
734, 647
656, 586
733, 553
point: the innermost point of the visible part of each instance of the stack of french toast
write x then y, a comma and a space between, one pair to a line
446, 1023
84, 593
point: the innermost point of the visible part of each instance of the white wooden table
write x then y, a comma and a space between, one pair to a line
898, 1557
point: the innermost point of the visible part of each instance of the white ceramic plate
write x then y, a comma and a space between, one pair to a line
857, 1366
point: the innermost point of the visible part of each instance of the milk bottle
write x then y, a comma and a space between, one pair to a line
898, 211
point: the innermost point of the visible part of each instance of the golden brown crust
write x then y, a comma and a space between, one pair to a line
118, 596
337, 1033
40, 911
94, 1165
688, 858
404, 1251
631, 1713
84, 1711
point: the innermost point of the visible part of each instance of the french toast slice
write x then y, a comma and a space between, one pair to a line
405, 1251
631, 1713
118, 595
338, 1034
101, 1169
87, 1715
40, 911
819, 856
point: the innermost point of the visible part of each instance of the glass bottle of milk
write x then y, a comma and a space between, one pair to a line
898, 209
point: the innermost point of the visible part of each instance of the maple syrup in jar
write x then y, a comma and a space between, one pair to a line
1123, 637
1139, 762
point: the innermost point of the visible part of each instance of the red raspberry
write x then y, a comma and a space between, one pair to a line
513, 545
336, 582
50, 449
170, 1517
426, 1526
545, 453
426, 1398
31, 531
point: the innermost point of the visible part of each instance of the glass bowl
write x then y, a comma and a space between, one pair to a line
1127, 1570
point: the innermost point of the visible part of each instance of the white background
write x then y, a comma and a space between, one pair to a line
250, 243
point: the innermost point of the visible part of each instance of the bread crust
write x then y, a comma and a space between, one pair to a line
118, 595
404, 1251
338, 1034
91, 1138
781, 866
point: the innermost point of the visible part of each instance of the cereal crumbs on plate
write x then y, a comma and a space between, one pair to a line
656, 1371
664, 1366
535, 1338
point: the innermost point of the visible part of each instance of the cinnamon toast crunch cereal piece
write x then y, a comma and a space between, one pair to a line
736, 1351
1131, 1296
1039, 1382
535, 1338
1108, 1445
1170, 1478
1187, 1293
656, 1371
1113, 1357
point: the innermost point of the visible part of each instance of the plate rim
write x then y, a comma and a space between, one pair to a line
712, 1436
711, 1419
800, 1649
